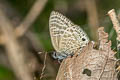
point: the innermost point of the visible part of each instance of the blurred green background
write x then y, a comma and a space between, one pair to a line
76, 10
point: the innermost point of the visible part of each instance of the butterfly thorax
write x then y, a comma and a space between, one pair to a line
61, 55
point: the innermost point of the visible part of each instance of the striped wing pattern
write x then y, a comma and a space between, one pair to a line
66, 37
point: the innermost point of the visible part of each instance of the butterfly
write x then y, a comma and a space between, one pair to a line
66, 36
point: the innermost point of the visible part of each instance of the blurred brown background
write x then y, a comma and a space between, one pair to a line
25, 38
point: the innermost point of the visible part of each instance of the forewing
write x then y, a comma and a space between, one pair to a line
57, 26
65, 35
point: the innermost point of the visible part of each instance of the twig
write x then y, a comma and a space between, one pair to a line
43, 66
91, 9
115, 22
14, 50
2, 41
30, 18
116, 26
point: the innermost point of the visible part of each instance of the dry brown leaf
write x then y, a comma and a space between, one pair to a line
92, 64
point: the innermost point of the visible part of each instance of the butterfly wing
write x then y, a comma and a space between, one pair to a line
65, 35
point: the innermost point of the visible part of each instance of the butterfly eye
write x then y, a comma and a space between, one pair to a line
83, 39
